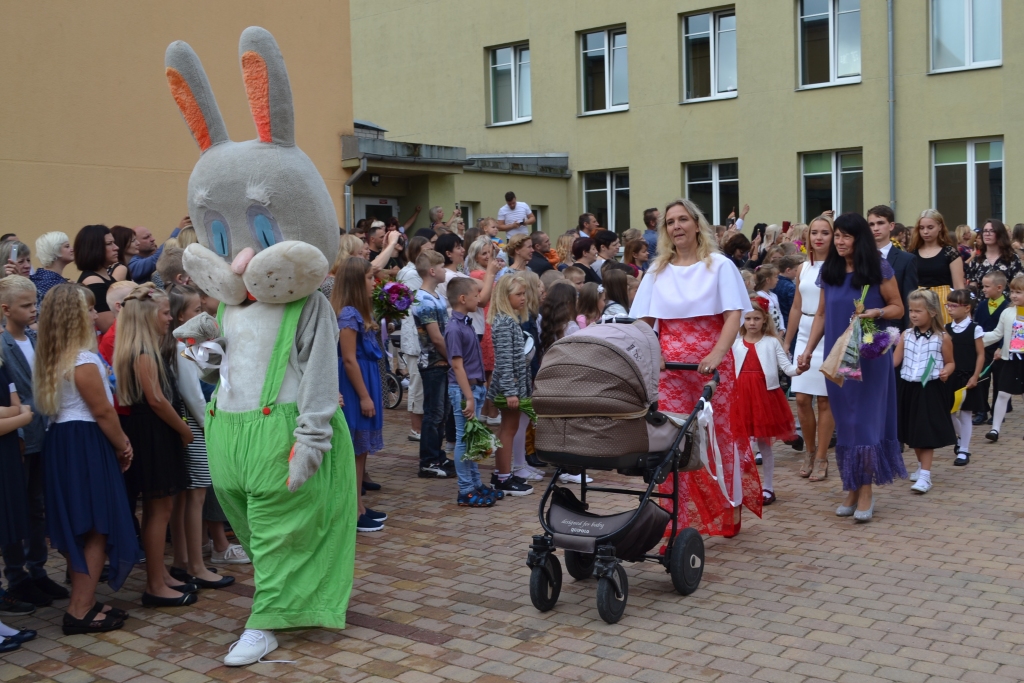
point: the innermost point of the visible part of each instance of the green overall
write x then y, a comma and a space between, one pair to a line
302, 544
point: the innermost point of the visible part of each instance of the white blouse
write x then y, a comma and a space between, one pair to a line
691, 291
72, 406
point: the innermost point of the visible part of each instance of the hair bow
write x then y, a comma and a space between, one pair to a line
762, 304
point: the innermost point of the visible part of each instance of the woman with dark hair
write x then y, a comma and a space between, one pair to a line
95, 251
1017, 235
737, 248
427, 233
996, 254
867, 445
127, 246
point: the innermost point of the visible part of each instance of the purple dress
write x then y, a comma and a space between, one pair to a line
867, 445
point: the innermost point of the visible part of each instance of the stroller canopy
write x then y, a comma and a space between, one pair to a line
607, 369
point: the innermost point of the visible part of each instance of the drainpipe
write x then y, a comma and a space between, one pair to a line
892, 116
348, 194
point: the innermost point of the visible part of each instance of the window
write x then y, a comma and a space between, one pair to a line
829, 42
966, 34
510, 84
468, 213
968, 181
605, 75
606, 195
709, 56
833, 180
715, 188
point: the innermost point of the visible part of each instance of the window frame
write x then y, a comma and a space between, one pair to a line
517, 49
716, 16
715, 217
833, 57
609, 35
970, 64
972, 179
836, 175
610, 194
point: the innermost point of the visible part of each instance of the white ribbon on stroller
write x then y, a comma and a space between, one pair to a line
201, 354
705, 432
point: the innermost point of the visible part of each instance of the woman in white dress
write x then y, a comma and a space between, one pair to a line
811, 384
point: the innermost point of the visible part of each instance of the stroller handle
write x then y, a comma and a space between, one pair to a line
709, 387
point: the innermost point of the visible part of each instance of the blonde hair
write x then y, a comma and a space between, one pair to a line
963, 231
505, 287
118, 291
48, 247
13, 285
427, 260
64, 331
796, 233
348, 246
706, 242
533, 284
136, 336
748, 280
1016, 284
763, 274
169, 266
810, 224
931, 304
186, 237
768, 328
563, 247
771, 236
515, 243
942, 239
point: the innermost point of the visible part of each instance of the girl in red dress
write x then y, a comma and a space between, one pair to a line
761, 409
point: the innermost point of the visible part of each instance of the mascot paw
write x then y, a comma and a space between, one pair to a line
302, 464
199, 329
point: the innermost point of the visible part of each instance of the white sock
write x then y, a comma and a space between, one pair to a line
767, 464
519, 444
964, 429
6, 631
924, 474
999, 412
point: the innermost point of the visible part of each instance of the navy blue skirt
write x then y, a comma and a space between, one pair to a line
85, 492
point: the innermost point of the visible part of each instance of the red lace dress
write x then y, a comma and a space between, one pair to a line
702, 503
758, 412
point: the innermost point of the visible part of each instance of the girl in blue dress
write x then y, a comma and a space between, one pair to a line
867, 444
359, 373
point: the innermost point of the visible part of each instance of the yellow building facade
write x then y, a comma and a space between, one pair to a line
779, 104
90, 131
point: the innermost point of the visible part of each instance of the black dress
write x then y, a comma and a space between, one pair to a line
934, 271
965, 357
13, 492
98, 289
160, 465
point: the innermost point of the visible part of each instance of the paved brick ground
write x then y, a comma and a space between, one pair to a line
932, 590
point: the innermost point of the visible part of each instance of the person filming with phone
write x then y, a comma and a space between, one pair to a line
514, 216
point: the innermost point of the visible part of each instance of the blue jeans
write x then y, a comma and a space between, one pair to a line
435, 380
469, 473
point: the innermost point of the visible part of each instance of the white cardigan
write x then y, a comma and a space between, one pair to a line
771, 356
1003, 331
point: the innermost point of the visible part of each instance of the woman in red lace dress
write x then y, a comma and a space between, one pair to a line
697, 298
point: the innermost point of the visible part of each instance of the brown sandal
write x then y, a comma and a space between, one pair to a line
820, 470
807, 468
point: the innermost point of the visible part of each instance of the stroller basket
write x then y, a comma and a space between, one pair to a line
576, 529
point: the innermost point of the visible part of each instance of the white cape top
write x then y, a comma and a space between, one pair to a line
691, 291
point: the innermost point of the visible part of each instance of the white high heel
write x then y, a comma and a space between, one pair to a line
865, 515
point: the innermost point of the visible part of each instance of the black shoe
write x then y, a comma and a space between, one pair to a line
797, 443
23, 636
514, 486
980, 419
832, 443
184, 576
52, 588
224, 582
8, 645
26, 591
371, 486
533, 461
448, 465
433, 471
12, 606
989, 420
962, 459
184, 600
113, 611
93, 622
992, 435
186, 587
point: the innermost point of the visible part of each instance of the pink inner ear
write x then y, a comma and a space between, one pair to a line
186, 100
257, 87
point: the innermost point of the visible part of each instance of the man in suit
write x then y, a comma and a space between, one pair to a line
881, 220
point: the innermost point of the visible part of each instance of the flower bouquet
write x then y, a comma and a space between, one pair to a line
525, 406
391, 301
863, 339
481, 443
875, 341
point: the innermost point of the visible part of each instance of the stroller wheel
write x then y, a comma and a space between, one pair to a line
579, 565
687, 563
546, 584
610, 604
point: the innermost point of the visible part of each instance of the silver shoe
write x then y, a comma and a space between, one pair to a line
865, 515
845, 510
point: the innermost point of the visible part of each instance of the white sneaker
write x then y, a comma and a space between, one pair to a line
540, 473
207, 548
573, 478
405, 382
526, 474
494, 420
923, 485
233, 554
913, 475
252, 647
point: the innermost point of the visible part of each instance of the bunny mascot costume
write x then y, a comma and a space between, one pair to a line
280, 452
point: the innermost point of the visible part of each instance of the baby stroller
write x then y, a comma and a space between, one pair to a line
596, 398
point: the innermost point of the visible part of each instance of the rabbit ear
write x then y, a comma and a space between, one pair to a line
192, 92
266, 84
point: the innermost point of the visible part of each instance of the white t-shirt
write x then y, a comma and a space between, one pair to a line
72, 406
28, 351
516, 215
691, 291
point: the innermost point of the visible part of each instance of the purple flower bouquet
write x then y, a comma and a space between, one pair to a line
391, 301
875, 341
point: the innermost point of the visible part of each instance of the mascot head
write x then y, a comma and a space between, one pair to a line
264, 218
